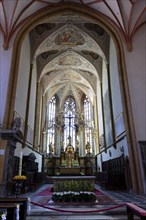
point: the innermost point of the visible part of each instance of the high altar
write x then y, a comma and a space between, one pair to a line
70, 163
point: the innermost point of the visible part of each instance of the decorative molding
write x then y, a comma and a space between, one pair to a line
126, 28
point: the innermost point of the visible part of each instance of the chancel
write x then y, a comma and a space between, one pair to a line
72, 95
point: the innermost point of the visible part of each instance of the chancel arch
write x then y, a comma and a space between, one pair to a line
62, 81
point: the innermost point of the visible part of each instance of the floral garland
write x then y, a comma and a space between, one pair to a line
72, 196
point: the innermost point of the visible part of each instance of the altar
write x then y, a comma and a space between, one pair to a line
70, 163
71, 171
73, 183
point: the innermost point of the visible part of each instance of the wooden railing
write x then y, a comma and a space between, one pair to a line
135, 210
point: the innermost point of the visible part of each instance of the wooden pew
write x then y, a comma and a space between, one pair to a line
11, 210
135, 210
21, 201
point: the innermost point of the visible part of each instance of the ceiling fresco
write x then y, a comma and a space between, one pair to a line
69, 58
68, 49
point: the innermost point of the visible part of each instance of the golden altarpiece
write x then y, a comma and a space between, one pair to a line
68, 153
70, 163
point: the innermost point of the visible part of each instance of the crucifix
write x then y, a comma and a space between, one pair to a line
69, 118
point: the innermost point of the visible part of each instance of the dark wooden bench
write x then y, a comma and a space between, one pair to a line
11, 210
135, 210
14, 201
102, 178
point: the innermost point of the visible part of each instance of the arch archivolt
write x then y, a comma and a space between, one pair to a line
85, 87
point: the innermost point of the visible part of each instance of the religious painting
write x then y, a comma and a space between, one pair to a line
70, 59
107, 120
70, 38
119, 125
16, 115
101, 142
29, 135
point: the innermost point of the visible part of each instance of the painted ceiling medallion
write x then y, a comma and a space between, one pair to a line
70, 77
70, 59
70, 38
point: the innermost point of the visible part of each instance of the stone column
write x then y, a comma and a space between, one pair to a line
43, 126
37, 118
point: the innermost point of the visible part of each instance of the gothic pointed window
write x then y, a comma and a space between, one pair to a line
51, 108
69, 121
88, 119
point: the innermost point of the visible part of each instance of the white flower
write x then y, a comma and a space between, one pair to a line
3, 216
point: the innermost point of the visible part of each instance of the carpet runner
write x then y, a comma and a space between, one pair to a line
46, 192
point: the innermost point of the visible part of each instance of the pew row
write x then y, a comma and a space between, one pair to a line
11, 203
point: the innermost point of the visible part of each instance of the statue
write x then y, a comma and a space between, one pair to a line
88, 146
62, 146
50, 149
77, 145
16, 124
69, 155
69, 140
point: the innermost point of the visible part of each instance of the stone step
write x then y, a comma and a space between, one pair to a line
119, 213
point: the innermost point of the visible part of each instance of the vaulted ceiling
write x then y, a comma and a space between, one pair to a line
69, 49
68, 52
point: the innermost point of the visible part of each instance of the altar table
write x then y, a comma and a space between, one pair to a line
73, 183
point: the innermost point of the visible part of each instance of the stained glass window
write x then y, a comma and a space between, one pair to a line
88, 119
51, 108
69, 129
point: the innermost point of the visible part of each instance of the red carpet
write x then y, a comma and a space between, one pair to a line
49, 191
46, 194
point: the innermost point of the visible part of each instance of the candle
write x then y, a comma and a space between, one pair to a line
21, 154
20, 163
17, 212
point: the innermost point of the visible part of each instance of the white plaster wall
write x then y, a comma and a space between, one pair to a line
104, 78
31, 116
136, 72
114, 79
23, 79
5, 61
113, 153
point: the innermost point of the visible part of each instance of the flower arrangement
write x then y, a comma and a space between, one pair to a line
3, 214
19, 177
74, 185
75, 163
71, 196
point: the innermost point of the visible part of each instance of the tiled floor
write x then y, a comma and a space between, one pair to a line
119, 197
